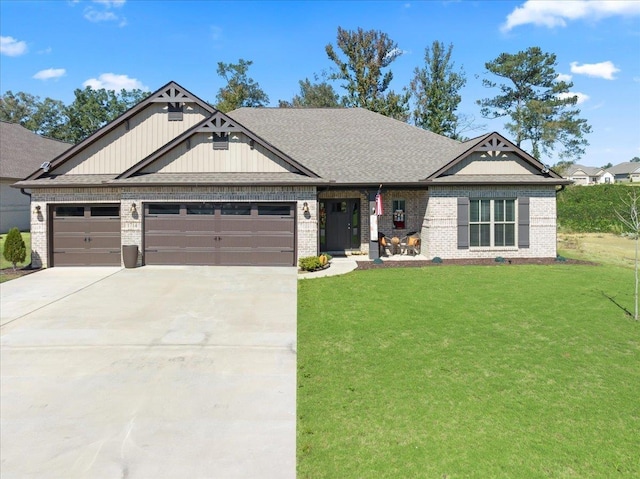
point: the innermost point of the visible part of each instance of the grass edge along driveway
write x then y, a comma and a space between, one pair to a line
458, 372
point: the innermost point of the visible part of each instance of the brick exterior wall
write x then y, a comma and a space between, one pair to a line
131, 221
439, 229
433, 213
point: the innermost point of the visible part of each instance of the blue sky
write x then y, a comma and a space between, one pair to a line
50, 48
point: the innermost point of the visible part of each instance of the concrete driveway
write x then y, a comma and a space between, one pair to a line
154, 372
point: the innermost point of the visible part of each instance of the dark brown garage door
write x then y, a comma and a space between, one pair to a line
230, 234
86, 235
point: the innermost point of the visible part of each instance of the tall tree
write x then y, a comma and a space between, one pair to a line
240, 89
635, 159
436, 89
313, 95
367, 54
541, 108
45, 117
91, 109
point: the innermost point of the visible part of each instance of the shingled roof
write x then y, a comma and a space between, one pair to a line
23, 151
352, 145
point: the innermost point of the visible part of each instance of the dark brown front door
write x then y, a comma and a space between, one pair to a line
232, 234
343, 224
85, 235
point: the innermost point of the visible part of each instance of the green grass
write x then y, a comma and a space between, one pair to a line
469, 372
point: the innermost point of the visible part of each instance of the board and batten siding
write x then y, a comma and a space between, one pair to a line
120, 149
198, 156
483, 164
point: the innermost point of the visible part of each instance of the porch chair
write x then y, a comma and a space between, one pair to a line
410, 244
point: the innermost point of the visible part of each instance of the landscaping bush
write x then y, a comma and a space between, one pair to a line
591, 209
14, 250
310, 263
314, 263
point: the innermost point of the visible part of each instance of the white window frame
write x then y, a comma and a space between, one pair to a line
491, 222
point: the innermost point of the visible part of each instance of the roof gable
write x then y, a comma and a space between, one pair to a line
217, 123
494, 146
169, 93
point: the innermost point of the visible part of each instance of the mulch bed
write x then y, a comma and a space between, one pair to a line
475, 262
8, 273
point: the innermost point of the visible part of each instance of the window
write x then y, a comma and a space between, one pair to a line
492, 223
200, 209
236, 209
105, 211
175, 111
164, 209
69, 211
220, 141
274, 210
399, 208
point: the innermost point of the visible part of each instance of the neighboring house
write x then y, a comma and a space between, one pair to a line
189, 185
588, 175
628, 171
21, 152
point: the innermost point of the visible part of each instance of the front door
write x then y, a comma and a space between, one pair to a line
343, 224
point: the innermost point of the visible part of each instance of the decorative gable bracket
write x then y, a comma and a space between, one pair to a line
219, 123
495, 146
173, 94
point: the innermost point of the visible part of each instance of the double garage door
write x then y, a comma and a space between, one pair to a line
261, 234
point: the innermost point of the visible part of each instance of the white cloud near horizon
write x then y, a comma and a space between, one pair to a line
50, 73
604, 70
111, 81
582, 97
554, 13
11, 47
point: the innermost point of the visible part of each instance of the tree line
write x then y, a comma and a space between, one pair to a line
540, 113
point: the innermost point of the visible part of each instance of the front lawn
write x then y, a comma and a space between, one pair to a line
463, 372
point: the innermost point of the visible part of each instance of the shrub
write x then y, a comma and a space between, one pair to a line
590, 209
310, 263
14, 249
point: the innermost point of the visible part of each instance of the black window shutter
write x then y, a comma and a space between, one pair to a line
463, 223
523, 222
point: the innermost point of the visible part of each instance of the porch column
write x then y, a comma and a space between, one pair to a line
374, 249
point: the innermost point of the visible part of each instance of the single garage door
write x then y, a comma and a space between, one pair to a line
86, 235
232, 234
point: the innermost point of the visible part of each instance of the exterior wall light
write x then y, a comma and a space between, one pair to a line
305, 207
133, 209
37, 210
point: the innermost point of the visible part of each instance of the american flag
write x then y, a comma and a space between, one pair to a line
379, 211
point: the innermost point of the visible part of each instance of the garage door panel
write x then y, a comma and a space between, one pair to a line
86, 235
220, 234
202, 240
273, 241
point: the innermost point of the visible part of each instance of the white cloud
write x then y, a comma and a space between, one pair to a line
50, 73
604, 70
103, 12
564, 77
11, 47
582, 97
111, 81
554, 13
